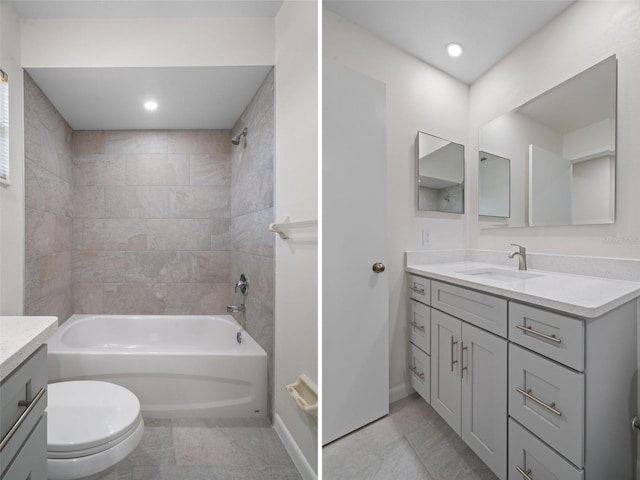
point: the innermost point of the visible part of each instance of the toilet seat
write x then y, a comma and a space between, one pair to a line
91, 427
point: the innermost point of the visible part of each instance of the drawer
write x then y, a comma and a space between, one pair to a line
548, 399
482, 310
420, 326
553, 335
31, 461
420, 369
536, 459
23, 385
419, 288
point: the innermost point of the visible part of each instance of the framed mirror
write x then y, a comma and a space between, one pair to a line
440, 173
561, 153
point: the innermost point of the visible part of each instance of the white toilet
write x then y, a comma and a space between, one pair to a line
91, 426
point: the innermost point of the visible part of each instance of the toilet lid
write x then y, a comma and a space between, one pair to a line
84, 414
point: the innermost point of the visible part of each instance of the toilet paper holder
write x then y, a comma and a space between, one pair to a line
305, 393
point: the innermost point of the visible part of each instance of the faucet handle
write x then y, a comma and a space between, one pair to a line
243, 285
521, 249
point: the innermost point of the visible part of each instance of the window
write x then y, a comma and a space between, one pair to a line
4, 127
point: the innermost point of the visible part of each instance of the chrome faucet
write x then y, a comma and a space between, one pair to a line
522, 256
236, 308
243, 285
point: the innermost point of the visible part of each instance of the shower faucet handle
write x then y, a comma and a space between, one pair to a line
243, 285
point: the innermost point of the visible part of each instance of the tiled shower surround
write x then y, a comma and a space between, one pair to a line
149, 222
49, 206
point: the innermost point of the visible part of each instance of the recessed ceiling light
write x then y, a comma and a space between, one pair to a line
151, 105
454, 49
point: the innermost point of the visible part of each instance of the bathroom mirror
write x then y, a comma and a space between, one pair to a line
561, 151
440, 172
494, 185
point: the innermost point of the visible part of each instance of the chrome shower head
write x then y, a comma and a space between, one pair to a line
236, 138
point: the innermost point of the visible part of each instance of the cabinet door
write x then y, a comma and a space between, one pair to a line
483, 363
445, 373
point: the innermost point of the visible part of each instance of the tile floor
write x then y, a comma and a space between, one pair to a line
411, 443
207, 449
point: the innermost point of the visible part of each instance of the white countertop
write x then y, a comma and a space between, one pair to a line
587, 297
20, 337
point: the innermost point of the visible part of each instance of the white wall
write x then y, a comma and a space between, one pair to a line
296, 301
586, 33
148, 42
419, 97
12, 197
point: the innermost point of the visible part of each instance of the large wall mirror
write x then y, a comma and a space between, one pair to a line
552, 160
440, 167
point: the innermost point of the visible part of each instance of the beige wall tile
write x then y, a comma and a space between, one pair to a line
198, 298
99, 170
157, 169
88, 202
136, 141
200, 142
210, 169
250, 233
99, 266
135, 298
136, 202
88, 142
87, 297
114, 234
199, 202
178, 234
210, 267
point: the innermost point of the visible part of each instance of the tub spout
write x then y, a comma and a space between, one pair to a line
236, 308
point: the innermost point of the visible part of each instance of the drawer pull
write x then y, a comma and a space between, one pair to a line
415, 325
453, 362
549, 407
30, 406
416, 373
419, 291
551, 338
523, 473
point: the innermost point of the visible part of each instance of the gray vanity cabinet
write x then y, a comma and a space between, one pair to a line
23, 448
468, 372
461, 366
537, 392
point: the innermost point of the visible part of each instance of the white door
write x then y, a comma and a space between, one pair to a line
355, 329
549, 188
484, 396
445, 367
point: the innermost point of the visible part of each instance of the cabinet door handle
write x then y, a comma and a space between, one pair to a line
462, 367
415, 325
549, 406
416, 373
551, 338
419, 291
453, 362
30, 406
524, 474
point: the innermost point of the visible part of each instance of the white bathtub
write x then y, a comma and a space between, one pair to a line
177, 365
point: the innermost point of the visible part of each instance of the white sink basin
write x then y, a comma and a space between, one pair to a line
500, 275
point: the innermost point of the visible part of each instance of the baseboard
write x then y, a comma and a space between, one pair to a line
399, 392
305, 469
